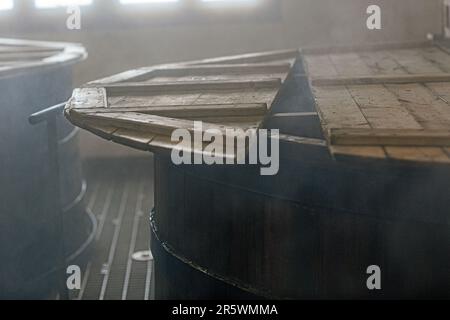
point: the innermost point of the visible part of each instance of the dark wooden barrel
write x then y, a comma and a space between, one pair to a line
30, 240
309, 232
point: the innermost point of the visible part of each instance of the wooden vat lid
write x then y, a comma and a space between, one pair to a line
388, 101
383, 102
141, 108
17, 56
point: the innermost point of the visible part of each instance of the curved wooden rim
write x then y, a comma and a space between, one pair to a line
53, 54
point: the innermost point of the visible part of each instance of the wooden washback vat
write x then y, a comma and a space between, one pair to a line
35, 75
343, 199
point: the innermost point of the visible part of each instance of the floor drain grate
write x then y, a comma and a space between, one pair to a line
119, 192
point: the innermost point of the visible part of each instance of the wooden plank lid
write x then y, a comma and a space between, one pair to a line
386, 101
142, 108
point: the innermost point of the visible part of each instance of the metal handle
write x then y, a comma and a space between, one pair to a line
44, 115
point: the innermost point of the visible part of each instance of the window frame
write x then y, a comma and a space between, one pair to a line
446, 18
37, 7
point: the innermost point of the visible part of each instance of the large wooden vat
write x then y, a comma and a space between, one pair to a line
34, 76
310, 232
333, 210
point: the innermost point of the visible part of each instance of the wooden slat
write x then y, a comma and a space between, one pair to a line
164, 142
350, 64
221, 72
224, 69
414, 62
382, 79
218, 77
150, 123
447, 151
367, 47
419, 154
141, 122
302, 140
381, 63
206, 97
183, 111
86, 98
358, 152
156, 99
146, 73
430, 112
252, 57
337, 108
294, 114
138, 87
263, 95
101, 130
136, 139
320, 66
125, 76
231, 121
438, 57
442, 92
389, 137
381, 108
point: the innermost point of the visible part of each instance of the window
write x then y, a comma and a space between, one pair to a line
6, 4
61, 3
447, 18
231, 2
122, 14
145, 1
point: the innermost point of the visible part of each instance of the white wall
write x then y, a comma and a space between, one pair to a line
303, 23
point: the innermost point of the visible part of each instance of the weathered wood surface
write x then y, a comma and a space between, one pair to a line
141, 108
384, 101
288, 236
369, 99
